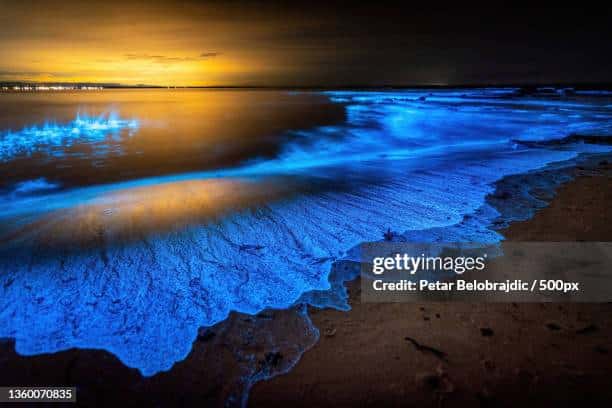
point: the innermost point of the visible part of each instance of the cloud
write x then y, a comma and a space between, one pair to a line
20, 73
164, 59
28, 75
158, 58
209, 54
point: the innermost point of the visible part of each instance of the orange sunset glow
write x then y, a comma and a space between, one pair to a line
262, 43
193, 45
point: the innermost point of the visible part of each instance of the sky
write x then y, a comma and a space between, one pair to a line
331, 43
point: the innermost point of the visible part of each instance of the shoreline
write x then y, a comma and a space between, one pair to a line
229, 357
373, 355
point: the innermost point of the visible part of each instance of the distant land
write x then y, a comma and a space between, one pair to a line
528, 87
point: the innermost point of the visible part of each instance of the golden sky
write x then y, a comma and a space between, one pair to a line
162, 43
299, 42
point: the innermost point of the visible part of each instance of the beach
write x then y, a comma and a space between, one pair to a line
468, 354
431, 354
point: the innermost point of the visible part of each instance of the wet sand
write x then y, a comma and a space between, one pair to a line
432, 354
468, 354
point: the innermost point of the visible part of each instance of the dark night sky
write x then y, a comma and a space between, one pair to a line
321, 44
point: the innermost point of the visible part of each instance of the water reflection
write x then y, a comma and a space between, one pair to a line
179, 131
128, 214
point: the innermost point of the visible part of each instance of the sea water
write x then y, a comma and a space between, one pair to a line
129, 219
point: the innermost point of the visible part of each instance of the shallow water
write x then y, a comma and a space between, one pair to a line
131, 218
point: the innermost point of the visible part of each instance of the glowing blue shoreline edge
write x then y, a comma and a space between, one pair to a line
19, 206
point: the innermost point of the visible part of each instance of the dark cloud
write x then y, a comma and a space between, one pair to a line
165, 59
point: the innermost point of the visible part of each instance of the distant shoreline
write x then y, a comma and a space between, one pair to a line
8, 86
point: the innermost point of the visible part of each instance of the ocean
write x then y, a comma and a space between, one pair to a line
131, 218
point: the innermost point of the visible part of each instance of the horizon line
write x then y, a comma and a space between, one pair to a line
106, 85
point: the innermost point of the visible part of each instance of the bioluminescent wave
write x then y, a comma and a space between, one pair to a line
56, 139
136, 267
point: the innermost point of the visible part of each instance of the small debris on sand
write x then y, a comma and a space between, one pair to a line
272, 359
486, 331
427, 349
329, 332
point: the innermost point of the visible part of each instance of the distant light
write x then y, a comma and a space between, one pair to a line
52, 88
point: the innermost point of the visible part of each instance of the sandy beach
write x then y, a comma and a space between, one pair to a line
434, 354
468, 354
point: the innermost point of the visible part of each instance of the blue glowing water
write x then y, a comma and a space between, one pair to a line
55, 139
411, 161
